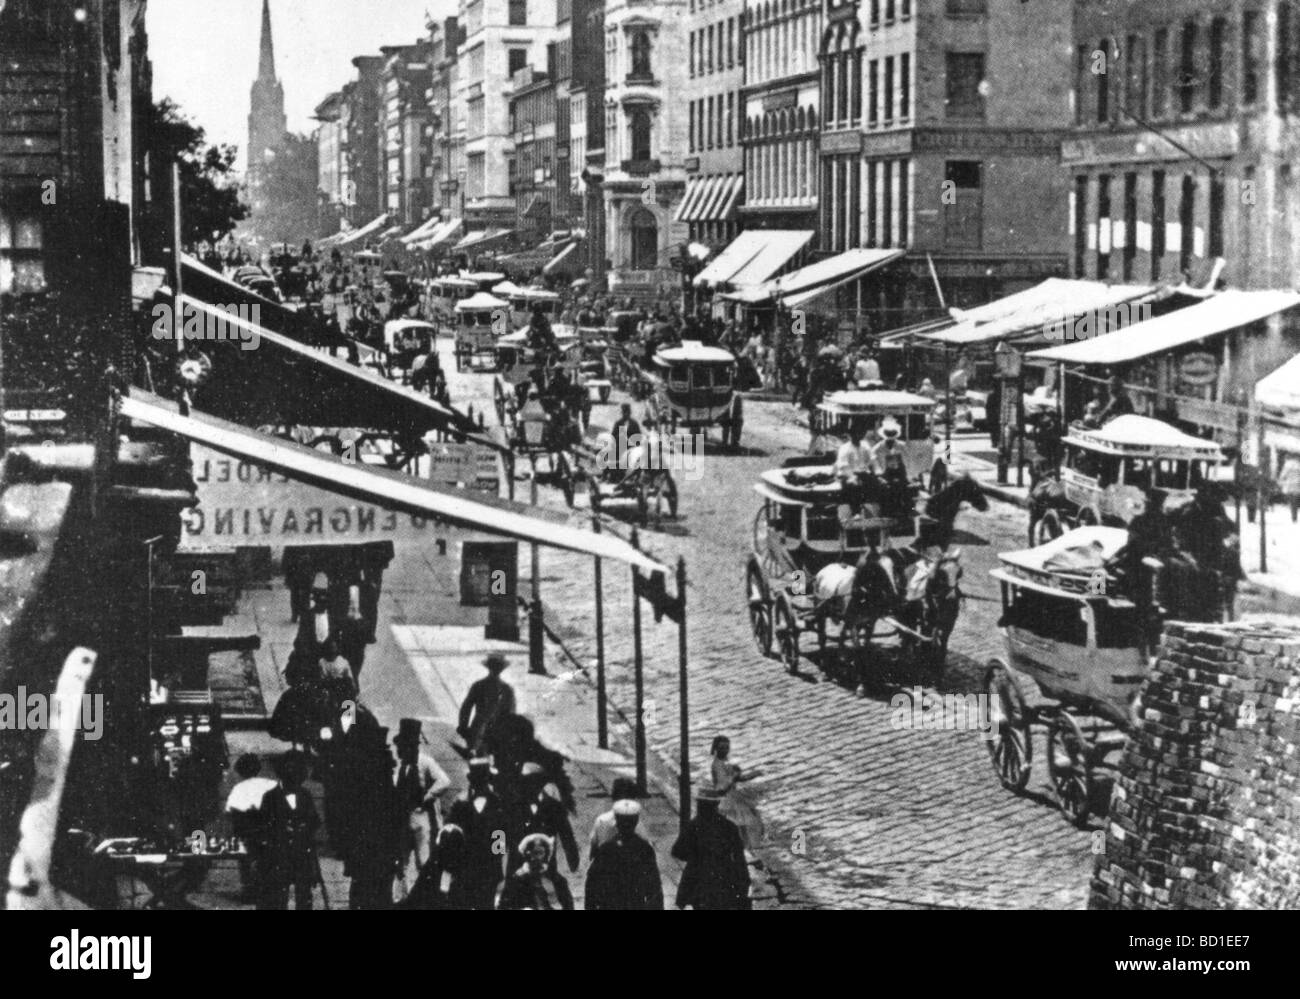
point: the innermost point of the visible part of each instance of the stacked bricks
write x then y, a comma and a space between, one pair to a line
1205, 813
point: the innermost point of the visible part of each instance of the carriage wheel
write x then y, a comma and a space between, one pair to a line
1070, 769
760, 608
1047, 529
499, 397
1012, 747
1088, 517
786, 628
334, 442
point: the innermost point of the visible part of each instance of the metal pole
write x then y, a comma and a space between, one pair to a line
602, 714
684, 773
535, 630
1020, 429
640, 685
947, 426
1259, 490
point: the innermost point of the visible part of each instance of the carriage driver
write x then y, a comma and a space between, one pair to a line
888, 459
853, 466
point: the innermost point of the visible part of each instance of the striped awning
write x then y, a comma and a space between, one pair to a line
369, 229
711, 198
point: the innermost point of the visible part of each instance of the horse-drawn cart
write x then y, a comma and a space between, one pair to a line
480, 320
808, 568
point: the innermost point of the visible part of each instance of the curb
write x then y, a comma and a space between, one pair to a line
1005, 494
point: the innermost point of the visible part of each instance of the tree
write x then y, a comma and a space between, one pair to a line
210, 203
284, 201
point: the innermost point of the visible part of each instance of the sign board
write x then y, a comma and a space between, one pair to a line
1009, 361
470, 465
241, 503
1200, 368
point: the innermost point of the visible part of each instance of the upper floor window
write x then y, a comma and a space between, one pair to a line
518, 14
640, 129
965, 85
22, 258
641, 54
1252, 56
1187, 76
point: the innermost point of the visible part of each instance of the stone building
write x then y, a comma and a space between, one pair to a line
406, 133
267, 123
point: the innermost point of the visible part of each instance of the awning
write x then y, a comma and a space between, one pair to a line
1228, 310
725, 209
1281, 389
369, 229
694, 189
483, 240
381, 486
203, 283
754, 256
1037, 309
423, 230
802, 286
441, 234
719, 201
309, 387
560, 257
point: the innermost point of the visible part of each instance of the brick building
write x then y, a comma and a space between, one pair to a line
406, 133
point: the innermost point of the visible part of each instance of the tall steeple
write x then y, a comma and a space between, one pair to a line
266, 66
267, 123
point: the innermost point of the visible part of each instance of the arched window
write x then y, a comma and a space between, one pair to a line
641, 54
640, 128
645, 240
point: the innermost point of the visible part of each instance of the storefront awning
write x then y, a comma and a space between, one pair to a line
1036, 309
711, 199
1281, 389
802, 286
557, 261
441, 235
270, 378
383, 487
1228, 310
695, 188
754, 256
369, 229
423, 230
484, 240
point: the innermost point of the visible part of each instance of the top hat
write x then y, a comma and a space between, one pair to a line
409, 730
495, 661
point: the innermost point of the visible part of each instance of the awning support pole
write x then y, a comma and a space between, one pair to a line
602, 712
639, 674
684, 771
536, 634
1260, 499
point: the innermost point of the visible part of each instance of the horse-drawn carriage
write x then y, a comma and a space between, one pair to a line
694, 388
808, 568
480, 320
638, 476
1107, 472
442, 296
880, 413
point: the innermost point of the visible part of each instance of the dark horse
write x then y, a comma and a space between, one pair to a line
941, 510
1048, 506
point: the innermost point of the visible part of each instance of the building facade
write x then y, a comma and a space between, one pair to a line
406, 133
501, 37
443, 43
331, 163
782, 114
715, 161
645, 141
587, 128
363, 141
1179, 151
534, 167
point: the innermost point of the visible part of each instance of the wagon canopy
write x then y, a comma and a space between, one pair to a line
482, 302
1141, 436
861, 402
694, 352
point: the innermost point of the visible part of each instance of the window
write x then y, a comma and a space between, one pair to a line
640, 128
889, 11
1103, 80
518, 12
731, 119
516, 59
1130, 224
855, 96
691, 130
692, 56
645, 240
1135, 97
1082, 71
905, 9
963, 215
889, 88
1187, 68
1157, 221
1160, 74
1216, 215
641, 54
1080, 223
904, 219
842, 88
1186, 221
887, 203
873, 93
1251, 56
964, 82
871, 203
708, 49
875, 13
708, 128
22, 261
1103, 226
905, 85
731, 42
1218, 33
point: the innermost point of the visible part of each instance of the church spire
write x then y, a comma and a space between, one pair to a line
266, 66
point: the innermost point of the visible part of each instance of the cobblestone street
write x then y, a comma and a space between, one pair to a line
859, 813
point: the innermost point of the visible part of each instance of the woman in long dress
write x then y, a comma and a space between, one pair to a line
736, 804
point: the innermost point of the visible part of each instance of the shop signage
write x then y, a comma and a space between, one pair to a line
785, 99
1206, 141
841, 142
991, 140
1198, 369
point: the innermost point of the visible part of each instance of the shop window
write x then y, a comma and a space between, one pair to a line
963, 213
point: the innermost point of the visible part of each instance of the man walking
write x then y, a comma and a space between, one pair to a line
624, 873
716, 875
420, 786
489, 699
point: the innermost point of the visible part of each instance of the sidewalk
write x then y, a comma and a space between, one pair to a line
443, 660
1281, 535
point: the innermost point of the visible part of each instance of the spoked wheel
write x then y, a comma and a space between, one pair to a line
787, 634
1088, 517
1047, 529
1011, 748
1070, 768
760, 607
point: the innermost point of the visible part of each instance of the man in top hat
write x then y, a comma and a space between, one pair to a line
489, 699
624, 873
482, 817
716, 875
420, 785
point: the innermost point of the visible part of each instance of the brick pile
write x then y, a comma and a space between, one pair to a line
1205, 812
